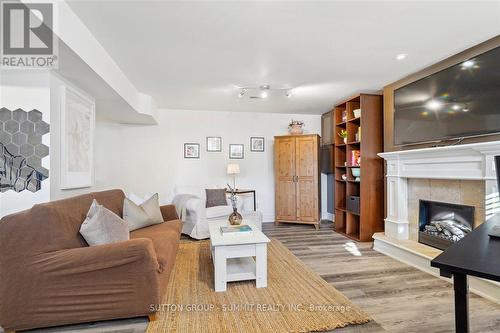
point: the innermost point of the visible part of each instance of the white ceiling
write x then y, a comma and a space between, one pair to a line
193, 55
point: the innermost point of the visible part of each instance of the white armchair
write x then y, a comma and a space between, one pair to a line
191, 203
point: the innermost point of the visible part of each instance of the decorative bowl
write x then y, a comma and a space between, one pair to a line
356, 173
357, 113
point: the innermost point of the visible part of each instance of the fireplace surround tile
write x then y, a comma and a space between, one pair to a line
413, 218
420, 189
445, 190
479, 216
472, 192
464, 192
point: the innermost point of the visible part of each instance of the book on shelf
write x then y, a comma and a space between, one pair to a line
344, 116
355, 157
357, 136
237, 229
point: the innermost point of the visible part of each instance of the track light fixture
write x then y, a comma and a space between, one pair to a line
263, 91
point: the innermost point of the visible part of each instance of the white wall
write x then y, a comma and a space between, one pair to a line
149, 159
28, 90
152, 156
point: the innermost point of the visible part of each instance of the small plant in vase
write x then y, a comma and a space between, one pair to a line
235, 218
343, 135
296, 127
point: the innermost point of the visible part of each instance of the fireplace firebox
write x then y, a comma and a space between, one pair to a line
441, 224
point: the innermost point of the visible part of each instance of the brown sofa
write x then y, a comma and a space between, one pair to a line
50, 276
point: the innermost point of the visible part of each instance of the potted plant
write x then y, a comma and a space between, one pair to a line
296, 127
343, 135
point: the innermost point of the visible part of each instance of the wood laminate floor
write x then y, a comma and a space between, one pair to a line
398, 297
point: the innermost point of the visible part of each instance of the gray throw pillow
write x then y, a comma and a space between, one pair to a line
216, 197
102, 226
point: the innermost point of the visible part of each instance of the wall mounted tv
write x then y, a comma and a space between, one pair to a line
457, 102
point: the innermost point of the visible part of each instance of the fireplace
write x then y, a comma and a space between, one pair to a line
441, 224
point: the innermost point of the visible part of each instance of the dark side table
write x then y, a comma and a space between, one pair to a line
477, 254
246, 191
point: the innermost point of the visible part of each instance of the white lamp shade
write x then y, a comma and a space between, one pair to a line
233, 169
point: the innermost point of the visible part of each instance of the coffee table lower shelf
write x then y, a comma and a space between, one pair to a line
239, 263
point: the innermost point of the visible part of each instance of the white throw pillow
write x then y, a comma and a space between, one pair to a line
143, 215
102, 226
137, 199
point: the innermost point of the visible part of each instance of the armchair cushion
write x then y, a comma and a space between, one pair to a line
218, 211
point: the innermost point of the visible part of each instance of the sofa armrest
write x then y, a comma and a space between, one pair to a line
90, 283
139, 253
169, 213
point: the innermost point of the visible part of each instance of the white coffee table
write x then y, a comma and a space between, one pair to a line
233, 255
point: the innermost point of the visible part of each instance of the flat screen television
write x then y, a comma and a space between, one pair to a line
458, 102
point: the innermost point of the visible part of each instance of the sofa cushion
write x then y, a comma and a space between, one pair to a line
215, 197
102, 226
143, 215
218, 211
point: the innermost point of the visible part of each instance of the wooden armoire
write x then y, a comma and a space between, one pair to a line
297, 183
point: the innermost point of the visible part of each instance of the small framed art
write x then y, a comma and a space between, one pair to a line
191, 150
236, 151
257, 143
214, 144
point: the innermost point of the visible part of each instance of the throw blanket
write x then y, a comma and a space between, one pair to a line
180, 202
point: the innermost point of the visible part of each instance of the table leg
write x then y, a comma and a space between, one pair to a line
220, 269
261, 265
461, 303
254, 202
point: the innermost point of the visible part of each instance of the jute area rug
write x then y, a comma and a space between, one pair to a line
295, 300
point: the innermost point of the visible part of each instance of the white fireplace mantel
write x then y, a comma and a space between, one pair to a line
462, 162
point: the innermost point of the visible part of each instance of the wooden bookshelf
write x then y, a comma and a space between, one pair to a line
370, 189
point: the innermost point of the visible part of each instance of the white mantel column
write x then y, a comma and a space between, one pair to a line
396, 222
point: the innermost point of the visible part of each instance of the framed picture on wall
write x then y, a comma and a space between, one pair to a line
214, 144
77, 139
191, 150
257, 143
236, 151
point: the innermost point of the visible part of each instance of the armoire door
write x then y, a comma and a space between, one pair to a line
306, 171
285, 179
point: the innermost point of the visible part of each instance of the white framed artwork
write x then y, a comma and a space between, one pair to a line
257, 143
236, 151
77, 139
214, 144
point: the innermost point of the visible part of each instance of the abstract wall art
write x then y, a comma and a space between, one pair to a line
22, 150
77, 139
